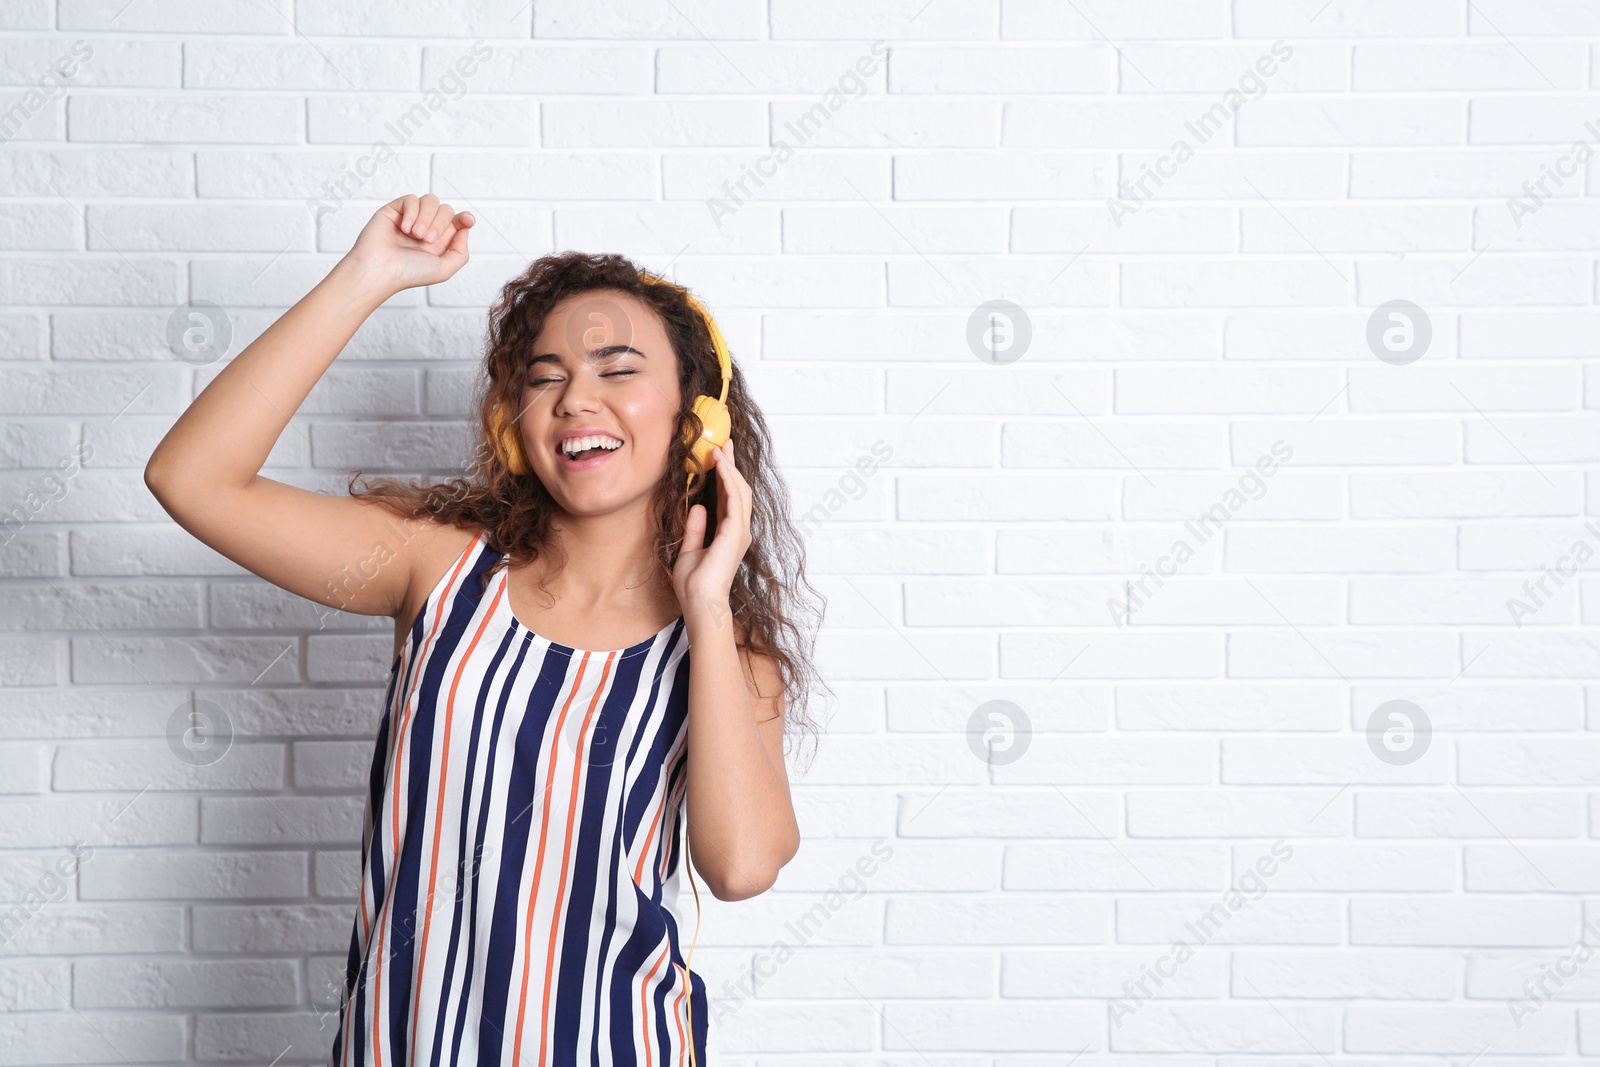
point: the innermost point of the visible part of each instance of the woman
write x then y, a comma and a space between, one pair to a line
522, 838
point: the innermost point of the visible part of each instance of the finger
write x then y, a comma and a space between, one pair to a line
738, 485
427, 204
703, 525
439, 224
725, 484
694, 531
727, 463
450, 223
458, 240
408, 212
426, 228
734, 491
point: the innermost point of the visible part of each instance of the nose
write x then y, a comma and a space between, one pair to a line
578, 395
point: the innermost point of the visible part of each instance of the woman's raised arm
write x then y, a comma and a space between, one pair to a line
206, 470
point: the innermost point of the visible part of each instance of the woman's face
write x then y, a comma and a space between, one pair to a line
601, 367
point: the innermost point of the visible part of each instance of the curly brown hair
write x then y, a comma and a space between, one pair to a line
515, 511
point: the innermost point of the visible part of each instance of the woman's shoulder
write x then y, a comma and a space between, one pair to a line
434, 548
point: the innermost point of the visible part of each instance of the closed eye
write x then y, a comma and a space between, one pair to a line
608, 374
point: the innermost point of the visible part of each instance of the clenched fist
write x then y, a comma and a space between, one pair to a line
413, 241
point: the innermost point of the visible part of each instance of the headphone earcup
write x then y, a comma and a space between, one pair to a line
509, 443
716, 428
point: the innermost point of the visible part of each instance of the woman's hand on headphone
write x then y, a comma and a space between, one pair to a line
703, 577
413, 240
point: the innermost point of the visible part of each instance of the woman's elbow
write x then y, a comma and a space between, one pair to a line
751, 879
742, 887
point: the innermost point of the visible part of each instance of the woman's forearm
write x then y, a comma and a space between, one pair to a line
224, 437
742, 826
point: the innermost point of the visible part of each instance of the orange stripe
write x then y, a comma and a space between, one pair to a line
644, 1009
580, 759
538, 868
676, 1004
438, 819
393, 788
649, 843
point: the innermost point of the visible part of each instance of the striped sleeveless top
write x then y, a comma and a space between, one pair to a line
521, 848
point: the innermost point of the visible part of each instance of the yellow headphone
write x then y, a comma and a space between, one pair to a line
716, 422
717, 428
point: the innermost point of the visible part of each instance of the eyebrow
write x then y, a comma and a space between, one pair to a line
592, 356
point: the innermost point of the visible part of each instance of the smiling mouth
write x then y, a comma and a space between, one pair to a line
586, 459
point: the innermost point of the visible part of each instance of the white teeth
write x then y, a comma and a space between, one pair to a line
578, 444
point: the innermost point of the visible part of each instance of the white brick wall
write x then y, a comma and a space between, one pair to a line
1200, 858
